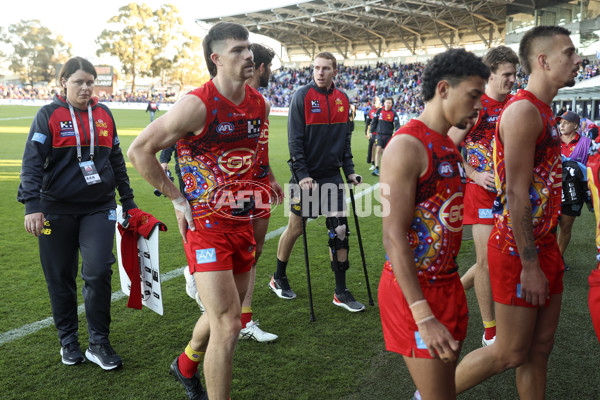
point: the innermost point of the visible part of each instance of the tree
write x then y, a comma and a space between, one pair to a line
148, 43
131, 41
190, 68
37, 51
170, 40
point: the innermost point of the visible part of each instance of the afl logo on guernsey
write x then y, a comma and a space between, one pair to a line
451, 212
236, 161
224, 128
445, 169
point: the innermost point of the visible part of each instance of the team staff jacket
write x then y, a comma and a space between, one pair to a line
385, 122
435, 232
51, 179
218, 163
318, 135
369, 119
546, 184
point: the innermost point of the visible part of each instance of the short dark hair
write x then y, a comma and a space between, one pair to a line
327, 55
390, 99
262, 54
529, 38
500, 55
221, 31
454, 66
73, 65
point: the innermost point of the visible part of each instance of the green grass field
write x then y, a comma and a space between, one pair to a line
340, 356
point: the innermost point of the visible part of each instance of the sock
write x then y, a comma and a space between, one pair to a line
490, 329
189, 361
281, 267
340, 280
246, 316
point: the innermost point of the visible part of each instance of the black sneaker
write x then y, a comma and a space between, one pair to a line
281, 287
347, 301
104, 355
71, 354
193, 386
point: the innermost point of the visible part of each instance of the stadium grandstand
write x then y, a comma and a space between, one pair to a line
382, 45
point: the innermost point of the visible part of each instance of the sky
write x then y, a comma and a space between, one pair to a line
81, 23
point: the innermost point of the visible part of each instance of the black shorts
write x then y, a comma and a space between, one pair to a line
328, 197
572, 210
382, 140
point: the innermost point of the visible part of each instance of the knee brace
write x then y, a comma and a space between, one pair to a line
340, 266
338, 233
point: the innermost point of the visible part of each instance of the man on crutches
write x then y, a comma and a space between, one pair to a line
319, 144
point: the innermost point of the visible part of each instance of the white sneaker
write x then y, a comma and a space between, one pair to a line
190, 283
252, 331
200, 305
485, 342
372, 167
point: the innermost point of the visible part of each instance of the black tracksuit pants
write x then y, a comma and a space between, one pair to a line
66, 236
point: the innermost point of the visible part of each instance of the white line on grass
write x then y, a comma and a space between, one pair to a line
27, 329
11, 118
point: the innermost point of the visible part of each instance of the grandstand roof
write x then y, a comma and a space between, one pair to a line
352, 27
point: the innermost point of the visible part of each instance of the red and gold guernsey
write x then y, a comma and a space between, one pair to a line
545, 190
479, 142
217, 164
436, 230
261, 167
593, 172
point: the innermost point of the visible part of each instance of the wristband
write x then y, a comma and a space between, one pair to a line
421, 311
425, 319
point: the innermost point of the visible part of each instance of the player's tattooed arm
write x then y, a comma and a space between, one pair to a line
529, 253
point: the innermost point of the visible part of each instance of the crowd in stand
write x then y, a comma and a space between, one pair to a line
361, 83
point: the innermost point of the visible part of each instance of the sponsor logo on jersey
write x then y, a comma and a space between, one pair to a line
445, 169
39, 137
451, 212
254, 128
554, 132
204, 256
66, 128
485, 213
225, 127
492, 119
101, 124
314, 106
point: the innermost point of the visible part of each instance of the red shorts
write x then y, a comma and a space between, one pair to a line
478, 205
217, 251
262, 203
505, 275
447, 302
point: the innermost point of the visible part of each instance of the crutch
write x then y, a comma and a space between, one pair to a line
310, 299
360, 246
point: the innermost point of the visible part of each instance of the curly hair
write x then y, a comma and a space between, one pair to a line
454, 66
221, 31
262, 54
531, 36
500, 55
